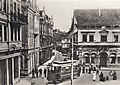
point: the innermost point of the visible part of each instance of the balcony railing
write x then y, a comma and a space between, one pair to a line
18, 18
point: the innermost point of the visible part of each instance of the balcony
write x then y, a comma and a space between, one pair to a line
17, 20
99, 43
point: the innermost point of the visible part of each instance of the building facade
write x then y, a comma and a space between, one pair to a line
11, 22
46, 36
98, 36
30, 37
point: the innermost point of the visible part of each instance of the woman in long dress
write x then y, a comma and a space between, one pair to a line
94, 75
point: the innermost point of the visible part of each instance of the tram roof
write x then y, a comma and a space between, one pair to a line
64, 62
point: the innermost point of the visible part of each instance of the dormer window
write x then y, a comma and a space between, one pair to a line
84, 37
103, 38
103, 34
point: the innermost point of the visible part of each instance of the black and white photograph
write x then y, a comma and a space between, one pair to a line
59, 42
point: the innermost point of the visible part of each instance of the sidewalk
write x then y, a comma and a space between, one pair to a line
111, 82
23, 82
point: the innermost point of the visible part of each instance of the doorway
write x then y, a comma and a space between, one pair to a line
103, 59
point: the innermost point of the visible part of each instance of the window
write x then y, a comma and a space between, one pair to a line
103, 38
11, 34
0, 32
14, 11
115, 38
4, 6
91, 38
84, 38
5, 33
16, 67
15, 34
0, 5
19, 34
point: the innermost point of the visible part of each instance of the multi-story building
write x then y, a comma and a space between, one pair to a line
30, 37
98, 36
11, 21
46, 36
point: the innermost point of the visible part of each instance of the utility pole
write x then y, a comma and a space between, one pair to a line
72, 63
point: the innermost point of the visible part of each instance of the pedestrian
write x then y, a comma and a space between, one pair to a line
101, 77
114, 76
33, 73
110, 74
107, 78
94, 68
83, 69
79, 71
40, 72
97, 71
45, 72
36, 71
94, 76
89, 70
86, 70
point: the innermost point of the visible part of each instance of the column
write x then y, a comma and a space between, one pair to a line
2, 32
13, 70
19, 67
87, 37
7, 72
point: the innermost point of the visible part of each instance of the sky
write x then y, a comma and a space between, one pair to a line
62, 10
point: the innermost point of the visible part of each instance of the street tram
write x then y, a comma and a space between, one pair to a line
61, 70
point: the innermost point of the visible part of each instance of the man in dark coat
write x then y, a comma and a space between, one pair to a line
102, 78
114, 76
89, 70
33, 73
45, 72
40, 71
36, 71
79, 71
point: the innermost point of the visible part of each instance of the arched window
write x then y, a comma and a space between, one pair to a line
86, 58
112, 58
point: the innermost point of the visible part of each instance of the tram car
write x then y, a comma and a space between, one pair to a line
61, 70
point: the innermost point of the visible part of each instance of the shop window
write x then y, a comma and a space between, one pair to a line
84, 38
103, 38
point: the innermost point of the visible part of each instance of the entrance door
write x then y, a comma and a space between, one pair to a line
103, 59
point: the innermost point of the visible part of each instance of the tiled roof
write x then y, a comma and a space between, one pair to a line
90, 17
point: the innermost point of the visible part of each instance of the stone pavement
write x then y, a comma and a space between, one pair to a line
23, 82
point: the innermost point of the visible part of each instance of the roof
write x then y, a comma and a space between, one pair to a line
96, 17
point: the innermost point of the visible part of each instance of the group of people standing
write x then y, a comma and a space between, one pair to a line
38, 72
102, 77
96, 71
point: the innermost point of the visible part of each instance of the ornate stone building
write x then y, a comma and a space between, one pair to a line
30, 37
46, 36
11, 22
97, 36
